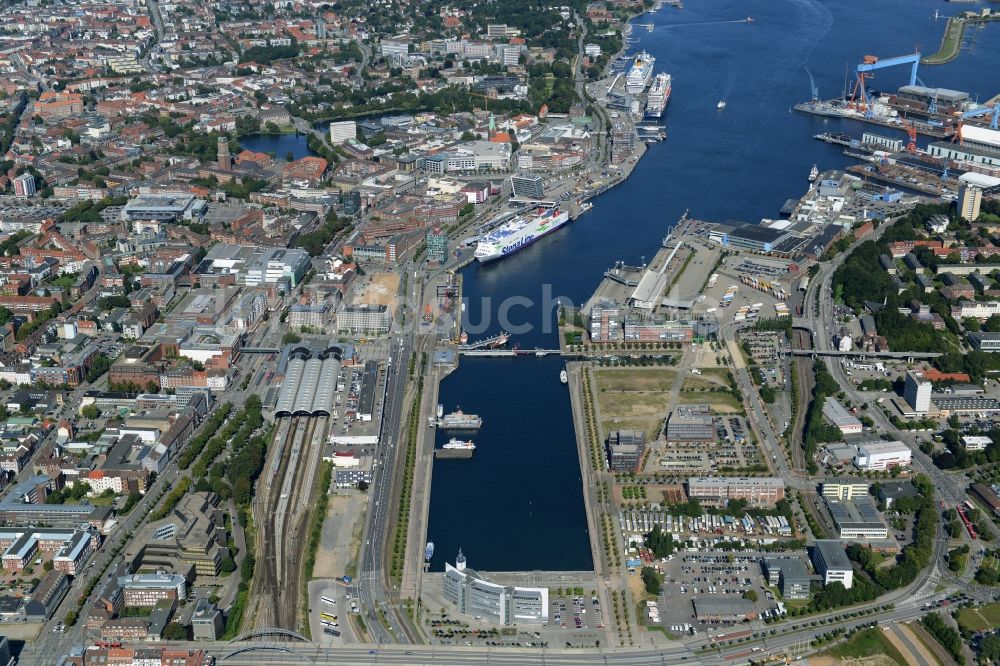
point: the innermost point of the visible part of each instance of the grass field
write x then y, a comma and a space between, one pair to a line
980, 619
867, 643
633, 398
634, 379
698, 383
722, 403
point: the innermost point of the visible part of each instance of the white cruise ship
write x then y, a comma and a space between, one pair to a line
519, 233
659, 95
640, 73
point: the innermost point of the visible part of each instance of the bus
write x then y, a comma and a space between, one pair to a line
329, 624
328, 617
332, 632
328, 600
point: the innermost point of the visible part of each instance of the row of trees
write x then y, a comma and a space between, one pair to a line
916, 555
403, 516
196, 445
237, 432
947, 636
818, 430
315, 242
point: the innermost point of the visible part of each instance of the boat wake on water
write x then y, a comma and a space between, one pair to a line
695, 24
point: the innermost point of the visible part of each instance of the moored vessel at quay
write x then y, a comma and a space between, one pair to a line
640, 74
459, 420
456, 448
659, 95
519, 232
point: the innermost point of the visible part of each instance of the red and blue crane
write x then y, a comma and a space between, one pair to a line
866, 70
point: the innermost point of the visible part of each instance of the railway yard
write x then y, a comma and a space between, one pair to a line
281, 515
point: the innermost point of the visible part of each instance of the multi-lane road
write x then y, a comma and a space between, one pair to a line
950, 487
375, 598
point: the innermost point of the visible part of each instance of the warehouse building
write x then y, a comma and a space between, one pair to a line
366, 397
712, 609
747, 237
857, 519
966, 405
987, 495
841, 418
879, 455
762, 491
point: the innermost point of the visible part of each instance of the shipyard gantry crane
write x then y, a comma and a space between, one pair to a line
993, 111
859, 94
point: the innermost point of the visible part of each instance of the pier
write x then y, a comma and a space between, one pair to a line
453, 454
830, 109
954, 34
897, 176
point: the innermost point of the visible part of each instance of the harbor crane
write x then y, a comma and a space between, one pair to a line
993, 111
911, 133
859, 94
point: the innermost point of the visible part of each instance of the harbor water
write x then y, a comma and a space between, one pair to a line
517, 504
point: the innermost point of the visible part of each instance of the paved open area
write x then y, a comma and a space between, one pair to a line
717, 577
575, 614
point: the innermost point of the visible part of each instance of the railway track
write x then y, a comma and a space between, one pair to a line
268, 491
802, 367
282, 521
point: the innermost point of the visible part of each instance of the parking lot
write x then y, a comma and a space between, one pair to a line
324, 629
732, 451
347, 425
762, 267
712, 574
765, 350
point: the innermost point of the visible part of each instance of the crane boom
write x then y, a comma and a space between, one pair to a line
859, 96
983, 111
871, 63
